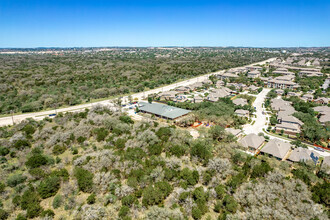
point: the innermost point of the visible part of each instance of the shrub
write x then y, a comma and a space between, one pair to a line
36, 160
2, 187
201, 151
217, 207
29, 129
63, 173
128, 200
57, 201
164, 133
49, 187
57, 149
151, 197
196, 213
4, 151
123, 211
178, 150
85, 179
17, 200
120, 143
230, 204
20, 217
29, 197
33, 210
91, 199
260, 170
37, 173
81, 139
3, 214
21, 144
101, 134
15, 180
126, 119
155, 195
155, 149
220, 190
47, 213
183, 196
191, 177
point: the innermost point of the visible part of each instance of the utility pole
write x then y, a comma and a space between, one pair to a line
12, 116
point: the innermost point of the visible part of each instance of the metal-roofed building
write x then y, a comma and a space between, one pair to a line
162, 111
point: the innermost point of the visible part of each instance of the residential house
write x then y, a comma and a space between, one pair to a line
282, 82
316, 62
168, 95
265, 79
252, 142
253, 88
307, 97
322, 100
227, 75
309, 73
240, 101
279, 91
302, 62
290, 94
300, 154
252, 68
233, 131
182, 89
218, 93
279, 104
276, 148
220, 83
242, 113
238, 86
207, 81
198, 99
324, 114
289, 124
254, 74
326, 163
195, 86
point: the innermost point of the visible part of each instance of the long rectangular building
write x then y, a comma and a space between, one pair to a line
162, 111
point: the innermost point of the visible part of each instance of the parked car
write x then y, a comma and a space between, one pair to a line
319, 149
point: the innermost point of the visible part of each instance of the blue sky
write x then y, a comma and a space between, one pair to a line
83, 23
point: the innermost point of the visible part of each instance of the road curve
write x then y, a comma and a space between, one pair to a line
261, 122
40, 115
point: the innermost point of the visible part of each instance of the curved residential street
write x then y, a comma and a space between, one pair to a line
261, 121
40, 115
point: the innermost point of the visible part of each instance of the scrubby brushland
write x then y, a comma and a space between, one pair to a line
32, 82
100, 164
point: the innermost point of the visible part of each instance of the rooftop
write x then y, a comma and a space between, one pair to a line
162, 110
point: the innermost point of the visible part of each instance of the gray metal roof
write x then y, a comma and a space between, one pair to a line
163, 110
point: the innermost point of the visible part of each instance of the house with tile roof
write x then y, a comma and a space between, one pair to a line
276, 148
300, 154
252, 142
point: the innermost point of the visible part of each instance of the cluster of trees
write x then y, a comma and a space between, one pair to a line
101, 164
312, 130
220, 112
32, 82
